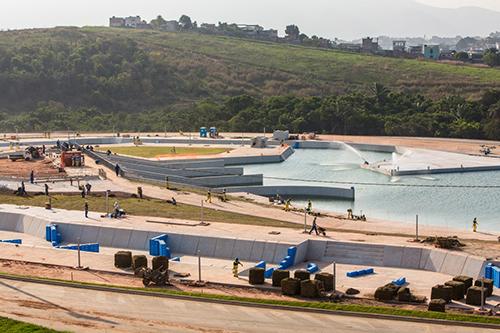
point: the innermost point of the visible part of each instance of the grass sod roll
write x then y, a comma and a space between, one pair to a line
442, 292
256, 276
437, 305
467, 280
160, 262
290, 286
488, 284
474, 295
139, 261
123, 259
302, 275
278, 276
311, 288
458, 291
327, 280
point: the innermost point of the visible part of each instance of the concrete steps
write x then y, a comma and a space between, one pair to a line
354, 253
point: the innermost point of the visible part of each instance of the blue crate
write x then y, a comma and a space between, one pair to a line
269, 273
312, 268
361, 272
12, 241
261, 264
399, 282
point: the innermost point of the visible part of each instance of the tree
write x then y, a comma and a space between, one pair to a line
462, 56
292, 31
185, 22
492, 58
158, 22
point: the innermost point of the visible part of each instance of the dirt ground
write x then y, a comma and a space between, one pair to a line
22, 169
128, 280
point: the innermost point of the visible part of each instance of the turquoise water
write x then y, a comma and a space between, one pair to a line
448, 207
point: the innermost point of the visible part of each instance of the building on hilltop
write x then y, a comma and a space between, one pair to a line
132, 21
399, 46
369, 45
116, 22
431, 52
415, 50
170, 26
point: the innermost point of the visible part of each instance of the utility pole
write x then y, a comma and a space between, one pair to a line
416, 227
305, 221
79, 257
334, 277
201, 212
107, 203
199, 266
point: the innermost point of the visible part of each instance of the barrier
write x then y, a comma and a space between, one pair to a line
289, 259
93, 247
269, 273
312, 268
158, 246
261, 264
399, 282
360, 272
12, 241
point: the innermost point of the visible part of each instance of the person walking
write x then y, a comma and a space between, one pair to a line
86, 209
83, 192
88, 187
236, 263
314, 227
209, 197
117, 169
139, 192
474, 225
46, 189
32, 177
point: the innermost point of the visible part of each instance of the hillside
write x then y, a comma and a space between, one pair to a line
90, 78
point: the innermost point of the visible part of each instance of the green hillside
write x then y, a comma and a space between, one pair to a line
95, 78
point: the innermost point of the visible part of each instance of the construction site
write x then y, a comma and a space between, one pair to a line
190, 214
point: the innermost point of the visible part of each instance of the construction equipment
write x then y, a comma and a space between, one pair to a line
159, 277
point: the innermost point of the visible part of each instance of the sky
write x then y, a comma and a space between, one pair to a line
345, 19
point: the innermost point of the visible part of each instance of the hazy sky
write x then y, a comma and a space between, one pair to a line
329, 18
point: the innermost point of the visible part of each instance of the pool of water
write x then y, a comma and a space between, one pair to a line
448, 207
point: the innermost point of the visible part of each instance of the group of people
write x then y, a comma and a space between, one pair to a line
222, 197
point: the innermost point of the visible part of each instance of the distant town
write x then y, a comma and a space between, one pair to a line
475, 50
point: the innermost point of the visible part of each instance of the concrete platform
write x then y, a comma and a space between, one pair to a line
416, 161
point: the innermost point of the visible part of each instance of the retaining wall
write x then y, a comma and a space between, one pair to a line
297, 191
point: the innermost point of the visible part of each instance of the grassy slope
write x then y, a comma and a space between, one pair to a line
13, 326
219, 66
146, 207
149, 151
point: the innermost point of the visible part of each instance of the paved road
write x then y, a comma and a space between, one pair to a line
81, 310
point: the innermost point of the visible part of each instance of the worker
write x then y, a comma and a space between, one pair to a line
349, 214
474, 225
83, 194
314, 227
209, 197
287, 204
58, 143
117, 170
309, 207
46, 189
43, 149
32, 177
139, 192
86, 209
235, 266
88, 187
224, 195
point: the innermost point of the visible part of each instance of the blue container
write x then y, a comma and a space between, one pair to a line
488, 271
48, 233
261, 264
399, 282
13, 241
203, 132
269, 273
312, 268
154, 247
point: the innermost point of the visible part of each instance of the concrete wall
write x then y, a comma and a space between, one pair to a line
430, 259
297, 191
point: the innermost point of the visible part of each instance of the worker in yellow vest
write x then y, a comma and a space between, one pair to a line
236, 263
474, 225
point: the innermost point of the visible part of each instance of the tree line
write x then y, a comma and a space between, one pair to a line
381, 112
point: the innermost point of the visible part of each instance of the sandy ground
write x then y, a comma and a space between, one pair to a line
22, 169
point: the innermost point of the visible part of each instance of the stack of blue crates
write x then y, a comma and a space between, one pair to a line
493, 273
287, 262
52, 235
158, 246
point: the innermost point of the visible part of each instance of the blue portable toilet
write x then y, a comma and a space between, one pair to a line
203, 132
213, 132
